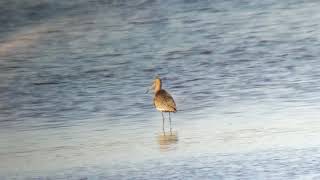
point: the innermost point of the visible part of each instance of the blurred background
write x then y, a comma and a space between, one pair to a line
244, 74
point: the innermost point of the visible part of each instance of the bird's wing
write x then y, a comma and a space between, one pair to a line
165, 99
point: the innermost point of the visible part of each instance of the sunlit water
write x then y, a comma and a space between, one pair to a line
245, 77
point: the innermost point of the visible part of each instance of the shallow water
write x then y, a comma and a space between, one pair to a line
245, 78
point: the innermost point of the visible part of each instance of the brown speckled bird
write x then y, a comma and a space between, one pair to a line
163, 101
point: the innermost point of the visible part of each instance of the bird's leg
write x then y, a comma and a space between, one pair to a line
170, 124
163, 124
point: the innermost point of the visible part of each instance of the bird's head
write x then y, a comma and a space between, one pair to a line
156, 85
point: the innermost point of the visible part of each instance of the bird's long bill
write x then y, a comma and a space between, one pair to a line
150, 88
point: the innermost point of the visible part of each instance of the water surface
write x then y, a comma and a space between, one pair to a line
244, 75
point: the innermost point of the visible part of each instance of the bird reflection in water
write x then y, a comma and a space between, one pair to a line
168, 141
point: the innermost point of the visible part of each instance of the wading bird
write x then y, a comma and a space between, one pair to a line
163, 101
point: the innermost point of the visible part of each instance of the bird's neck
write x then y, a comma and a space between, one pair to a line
157, 88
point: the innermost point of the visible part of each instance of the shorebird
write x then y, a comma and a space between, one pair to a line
163, 101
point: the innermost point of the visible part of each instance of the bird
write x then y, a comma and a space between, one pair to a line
163, 101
